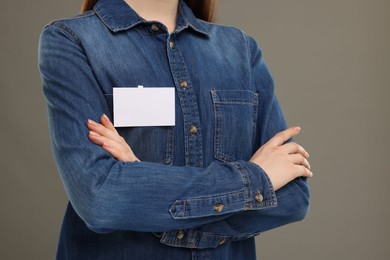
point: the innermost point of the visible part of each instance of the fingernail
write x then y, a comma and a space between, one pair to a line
106, 117
91, 122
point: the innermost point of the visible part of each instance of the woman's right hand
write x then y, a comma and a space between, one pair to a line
105, 135
283, 162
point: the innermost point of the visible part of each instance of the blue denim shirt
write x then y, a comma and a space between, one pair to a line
194, 195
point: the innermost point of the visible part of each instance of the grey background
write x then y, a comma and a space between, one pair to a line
331, 64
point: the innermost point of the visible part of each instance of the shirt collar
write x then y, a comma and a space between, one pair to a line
117, 15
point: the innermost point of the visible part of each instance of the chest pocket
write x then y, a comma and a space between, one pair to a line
235, 124
150, 144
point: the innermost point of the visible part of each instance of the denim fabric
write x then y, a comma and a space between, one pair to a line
193, 196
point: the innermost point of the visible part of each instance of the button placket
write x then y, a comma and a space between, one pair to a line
188, 103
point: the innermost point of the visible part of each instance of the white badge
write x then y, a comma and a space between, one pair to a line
144, 106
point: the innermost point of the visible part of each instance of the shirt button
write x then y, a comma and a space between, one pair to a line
171, 44
180, 234
218, 207
183, 84
222, 241
155, 27
259, 198
193, 130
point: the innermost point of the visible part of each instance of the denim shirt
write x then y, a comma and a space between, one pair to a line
194, 195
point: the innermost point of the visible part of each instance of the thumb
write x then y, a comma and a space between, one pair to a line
281, 137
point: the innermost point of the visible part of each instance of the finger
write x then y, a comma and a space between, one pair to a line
105, 121
101, 140
103, 131
281, 137
298, 159
303, 171
118, 153
111, 150
95, 138
293, 147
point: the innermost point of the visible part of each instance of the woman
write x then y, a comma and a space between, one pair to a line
201, 189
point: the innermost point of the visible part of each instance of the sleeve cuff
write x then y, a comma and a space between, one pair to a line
259, 192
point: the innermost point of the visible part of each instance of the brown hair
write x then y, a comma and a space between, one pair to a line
203, 9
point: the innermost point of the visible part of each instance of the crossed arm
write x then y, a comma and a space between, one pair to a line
282, 162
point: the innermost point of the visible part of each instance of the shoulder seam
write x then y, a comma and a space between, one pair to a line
61, 25
66, 29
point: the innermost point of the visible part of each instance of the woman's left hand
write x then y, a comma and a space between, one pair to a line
105, 135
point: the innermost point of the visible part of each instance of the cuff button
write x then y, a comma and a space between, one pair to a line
180, 234
218, 207
259, 198
155, 27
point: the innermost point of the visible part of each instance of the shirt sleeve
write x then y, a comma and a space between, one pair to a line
292, 199
141, 196
292, 205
